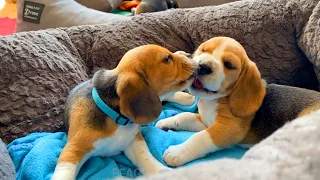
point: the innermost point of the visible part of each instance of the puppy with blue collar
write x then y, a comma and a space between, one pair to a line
104, 115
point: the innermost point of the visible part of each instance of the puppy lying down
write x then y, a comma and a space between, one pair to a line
235, 106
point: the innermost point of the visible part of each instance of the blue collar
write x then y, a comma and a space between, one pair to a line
119, 119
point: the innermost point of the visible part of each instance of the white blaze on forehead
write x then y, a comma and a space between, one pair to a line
216, 55
218, 51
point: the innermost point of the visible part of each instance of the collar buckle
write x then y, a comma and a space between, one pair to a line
118, 118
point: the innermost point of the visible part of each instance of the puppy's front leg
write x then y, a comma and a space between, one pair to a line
139, 155
69, 160
221, 134
184, 121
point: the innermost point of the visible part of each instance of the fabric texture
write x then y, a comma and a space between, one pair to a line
292, 153
7, 169
200, 3
38, 69
309, 39
35, 156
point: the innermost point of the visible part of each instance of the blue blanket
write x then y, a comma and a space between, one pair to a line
35, 156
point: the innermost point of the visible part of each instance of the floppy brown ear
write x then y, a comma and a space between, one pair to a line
249, 92
138, 101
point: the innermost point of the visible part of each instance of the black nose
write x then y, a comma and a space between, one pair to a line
204, 69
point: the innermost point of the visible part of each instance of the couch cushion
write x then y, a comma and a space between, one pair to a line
37, 71
7, 170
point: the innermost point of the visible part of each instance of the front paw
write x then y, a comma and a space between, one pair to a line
65, 171
167, 124
183, 53
186, 99
174, 156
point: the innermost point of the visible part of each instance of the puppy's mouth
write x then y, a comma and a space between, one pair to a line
197, 84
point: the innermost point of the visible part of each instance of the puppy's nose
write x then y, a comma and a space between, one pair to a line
204, 69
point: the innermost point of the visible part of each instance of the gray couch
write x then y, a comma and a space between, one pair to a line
37, 69
7, 170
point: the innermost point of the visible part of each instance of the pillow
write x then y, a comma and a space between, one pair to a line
43, 14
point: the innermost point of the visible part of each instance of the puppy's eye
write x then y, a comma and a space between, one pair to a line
228, 65
167, 59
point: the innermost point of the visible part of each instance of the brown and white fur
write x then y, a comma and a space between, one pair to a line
230, 91
234, 107
145, 76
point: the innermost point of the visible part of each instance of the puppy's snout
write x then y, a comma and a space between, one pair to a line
204, 69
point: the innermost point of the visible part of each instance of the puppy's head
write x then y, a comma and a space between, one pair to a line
226, 70
144, 76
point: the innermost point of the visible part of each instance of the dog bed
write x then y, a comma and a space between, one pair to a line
38, 69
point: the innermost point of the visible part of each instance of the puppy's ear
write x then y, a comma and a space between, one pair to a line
138, 101
249, 92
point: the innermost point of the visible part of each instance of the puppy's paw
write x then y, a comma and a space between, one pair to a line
174, 156
168, 124
183, 53
133, 10
185, 99
64, 171
182, 98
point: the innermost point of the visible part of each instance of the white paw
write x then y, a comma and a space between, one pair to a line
183, 53
133, 10
167, 124
187, 100
182, 98
65, 171
174, 156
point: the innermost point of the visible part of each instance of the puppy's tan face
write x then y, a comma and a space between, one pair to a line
166, 72
148, 74
221, 61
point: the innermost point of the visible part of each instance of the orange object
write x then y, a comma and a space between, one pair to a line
126, 5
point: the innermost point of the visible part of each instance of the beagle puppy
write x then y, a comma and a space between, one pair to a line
235, 105
104, 114
154, 6
230, 91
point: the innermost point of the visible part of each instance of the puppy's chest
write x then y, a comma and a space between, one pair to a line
208, 111
116, 143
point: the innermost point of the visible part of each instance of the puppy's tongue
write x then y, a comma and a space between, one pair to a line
197, 84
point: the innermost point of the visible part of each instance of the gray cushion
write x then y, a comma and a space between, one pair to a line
7, 170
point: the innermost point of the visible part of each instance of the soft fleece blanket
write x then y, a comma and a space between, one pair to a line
36, 155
